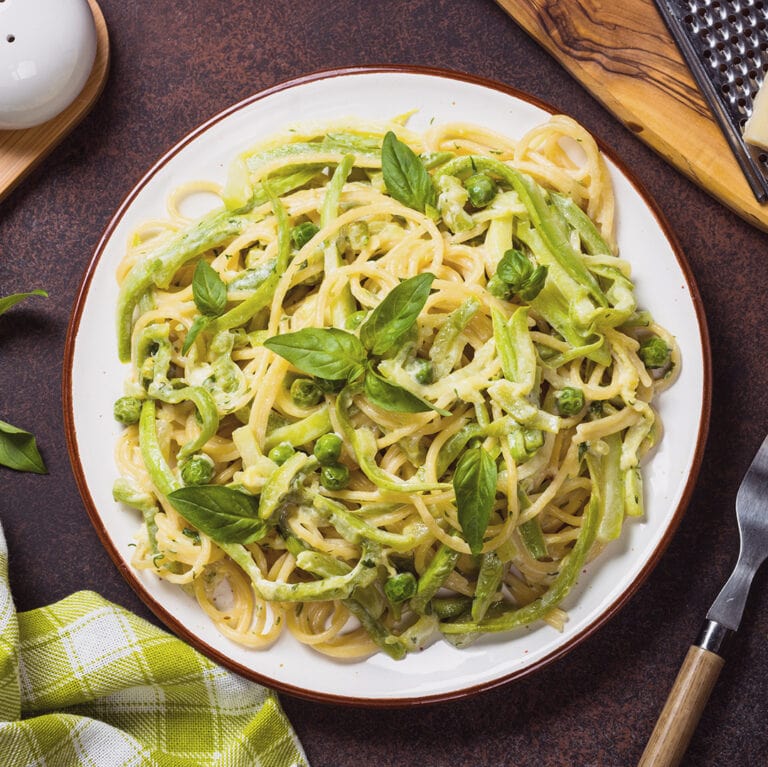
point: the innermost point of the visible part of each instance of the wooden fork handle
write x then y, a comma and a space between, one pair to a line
682, 711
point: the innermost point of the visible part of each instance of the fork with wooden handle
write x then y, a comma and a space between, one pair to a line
701, 667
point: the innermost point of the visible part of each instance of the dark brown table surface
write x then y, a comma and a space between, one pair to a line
174, 64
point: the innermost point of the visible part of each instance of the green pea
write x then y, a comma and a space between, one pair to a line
400, 587
328, 449
569, 400
423, 371
334, 477
305, 392
654, 352
302, 233
281, 453
197, 470
481, 189
127, 410
533, 439
355, 319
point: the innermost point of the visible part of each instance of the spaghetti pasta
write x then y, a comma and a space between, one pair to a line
397, 386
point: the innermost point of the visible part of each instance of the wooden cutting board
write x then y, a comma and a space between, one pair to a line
22, 150
623, 53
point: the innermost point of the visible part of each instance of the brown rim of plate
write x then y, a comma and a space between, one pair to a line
182, 631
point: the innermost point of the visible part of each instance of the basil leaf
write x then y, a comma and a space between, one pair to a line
197, 325
405, 176
6, 302
519, 275
534, 284
222, 513
514, 268
208, 289
324, 352
389, 322
474, 483
389, 396
18, 450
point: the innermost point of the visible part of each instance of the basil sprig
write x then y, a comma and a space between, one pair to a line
516, 274
474, 483
18, 449
405, 176
210, 295
224, 514
338, 355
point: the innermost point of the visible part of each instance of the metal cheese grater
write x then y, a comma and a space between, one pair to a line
725, 43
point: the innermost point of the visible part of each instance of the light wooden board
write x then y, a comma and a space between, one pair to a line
22, 150
623, 53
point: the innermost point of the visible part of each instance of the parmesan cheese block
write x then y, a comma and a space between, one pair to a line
756, 127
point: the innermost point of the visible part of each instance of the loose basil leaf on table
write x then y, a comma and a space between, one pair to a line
6, 302
391, 320
224, 514
328, 353
474, 483
405, 176
18, 450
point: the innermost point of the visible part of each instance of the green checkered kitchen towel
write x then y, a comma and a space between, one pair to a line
85, 682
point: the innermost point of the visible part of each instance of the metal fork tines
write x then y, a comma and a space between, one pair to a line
752, 518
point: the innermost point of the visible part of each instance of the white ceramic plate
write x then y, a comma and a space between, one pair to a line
94, 377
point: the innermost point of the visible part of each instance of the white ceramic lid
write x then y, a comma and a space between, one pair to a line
47, 50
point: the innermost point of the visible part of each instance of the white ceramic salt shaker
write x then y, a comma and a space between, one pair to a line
47, 50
